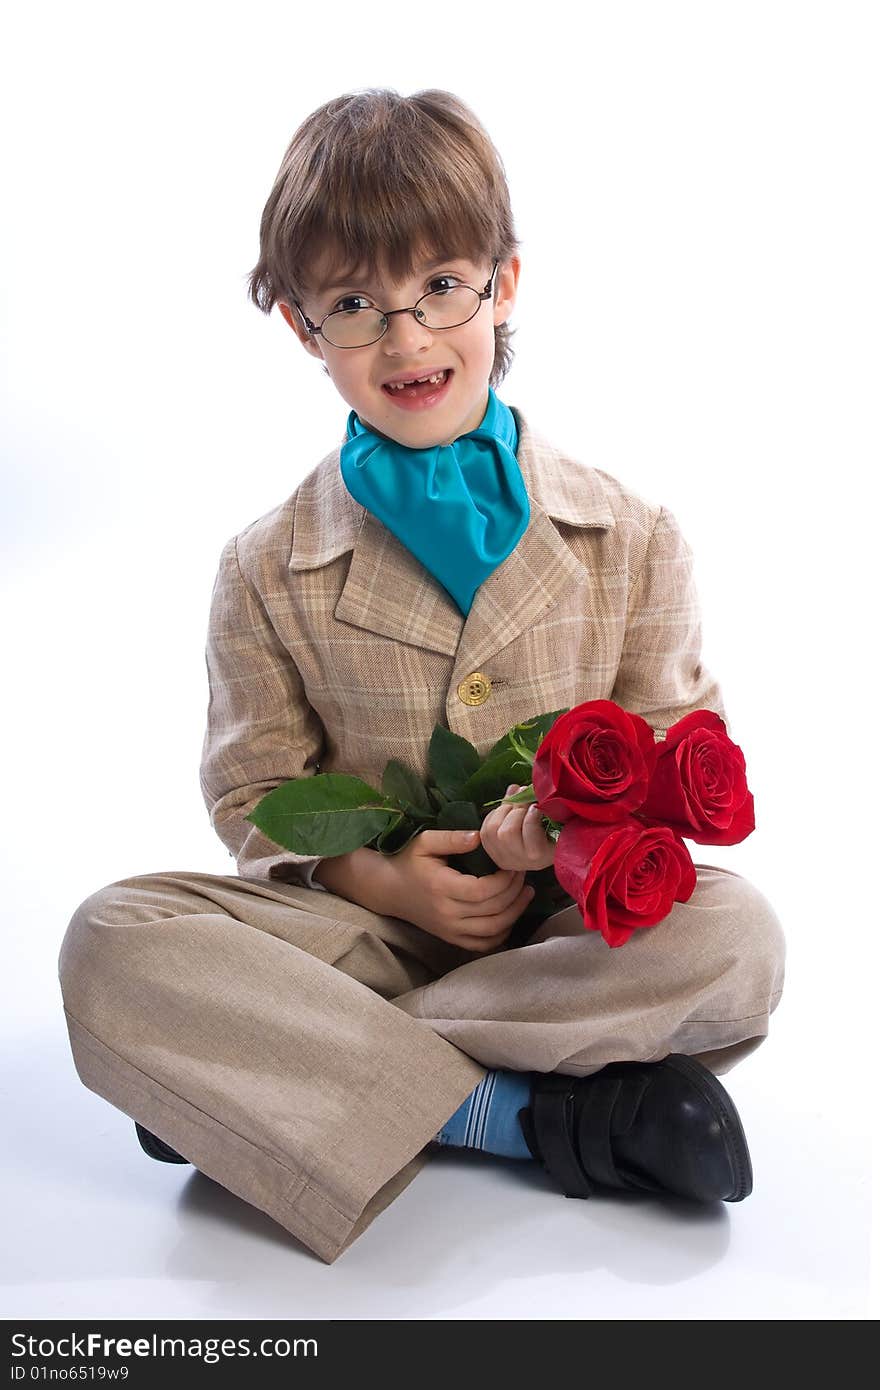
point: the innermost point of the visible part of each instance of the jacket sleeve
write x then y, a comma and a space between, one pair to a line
261, 730
661, 675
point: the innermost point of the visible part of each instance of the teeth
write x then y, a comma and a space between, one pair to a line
399, 385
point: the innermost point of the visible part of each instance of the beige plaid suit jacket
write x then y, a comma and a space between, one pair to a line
331, 648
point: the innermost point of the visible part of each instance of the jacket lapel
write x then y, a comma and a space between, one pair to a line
388, 591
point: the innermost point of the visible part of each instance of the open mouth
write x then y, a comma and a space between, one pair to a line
419, 389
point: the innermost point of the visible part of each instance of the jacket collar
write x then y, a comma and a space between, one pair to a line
388, 591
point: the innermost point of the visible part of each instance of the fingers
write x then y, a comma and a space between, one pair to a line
469, 888
492, 908
482, 896
498, 912
493, 930
443, 842
514, 836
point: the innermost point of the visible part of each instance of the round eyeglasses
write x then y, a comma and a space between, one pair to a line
351, 328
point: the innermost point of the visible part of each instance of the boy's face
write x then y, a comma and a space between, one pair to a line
409, 349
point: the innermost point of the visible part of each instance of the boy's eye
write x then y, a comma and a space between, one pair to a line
351, 303
449, 280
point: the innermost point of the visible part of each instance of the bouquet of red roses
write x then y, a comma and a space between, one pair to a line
617, 803
624, 804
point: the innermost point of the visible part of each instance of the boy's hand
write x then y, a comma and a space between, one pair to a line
515, 838
474, 913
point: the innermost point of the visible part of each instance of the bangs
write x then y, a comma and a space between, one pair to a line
406, 195
366, 260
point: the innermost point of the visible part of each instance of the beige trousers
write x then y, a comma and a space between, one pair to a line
303, 1051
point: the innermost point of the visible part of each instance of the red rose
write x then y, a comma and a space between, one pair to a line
623, 876
594, 763
699, 784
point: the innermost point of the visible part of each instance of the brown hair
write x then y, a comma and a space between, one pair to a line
376, 179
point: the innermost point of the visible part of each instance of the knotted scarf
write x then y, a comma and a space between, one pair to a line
460, 508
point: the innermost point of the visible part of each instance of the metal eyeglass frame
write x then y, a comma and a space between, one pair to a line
387, 314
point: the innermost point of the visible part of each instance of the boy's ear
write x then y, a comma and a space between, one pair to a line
506, 282
292, 318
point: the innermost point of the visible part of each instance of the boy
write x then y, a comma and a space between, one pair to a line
303, 1032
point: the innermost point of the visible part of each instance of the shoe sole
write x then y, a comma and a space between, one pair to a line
712, 1091
156, 1147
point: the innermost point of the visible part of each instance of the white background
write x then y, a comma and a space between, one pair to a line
695, 187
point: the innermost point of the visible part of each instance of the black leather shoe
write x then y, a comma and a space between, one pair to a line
156, 1147
665, 1126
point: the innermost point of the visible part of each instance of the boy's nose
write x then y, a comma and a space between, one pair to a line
404, 331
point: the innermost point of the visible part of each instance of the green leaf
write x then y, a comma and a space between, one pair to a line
397, 835
328, 814
452, 760
401, 785
458, 815
528, 734
490, 782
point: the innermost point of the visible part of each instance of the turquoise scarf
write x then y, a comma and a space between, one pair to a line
460, 508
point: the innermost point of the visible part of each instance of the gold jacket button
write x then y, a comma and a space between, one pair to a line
474, 689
